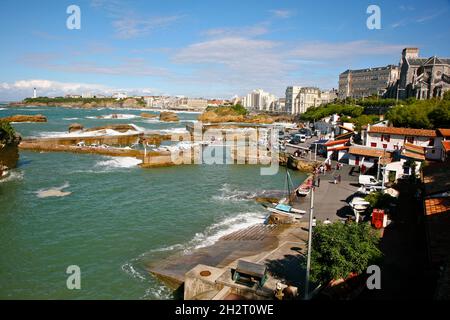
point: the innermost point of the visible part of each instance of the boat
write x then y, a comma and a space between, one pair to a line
305, 188
3, 171
359, 204
283, 206
303, 191
285, 209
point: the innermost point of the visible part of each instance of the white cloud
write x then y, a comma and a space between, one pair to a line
24, 88
256, 30
282, 13
129, 26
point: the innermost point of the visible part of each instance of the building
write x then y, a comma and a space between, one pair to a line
328, 96
73, 96
195, 104
367, 82
119, 95
280, 105
422, 78
306, 98
392, 139
34, 93
368, 157
259, 100
291, 94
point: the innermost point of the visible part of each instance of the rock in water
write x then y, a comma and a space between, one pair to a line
148, 115
168, 117
25, 118
75, 127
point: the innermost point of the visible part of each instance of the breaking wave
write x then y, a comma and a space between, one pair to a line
54, 192
218, 230
13, 176
119, 162
229, 194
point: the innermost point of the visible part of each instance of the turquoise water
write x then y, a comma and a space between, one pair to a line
117, 217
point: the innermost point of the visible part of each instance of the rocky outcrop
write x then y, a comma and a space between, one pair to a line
116, 127
75, 127
168, 117
148, 115
215, 117
9, 140
25, 118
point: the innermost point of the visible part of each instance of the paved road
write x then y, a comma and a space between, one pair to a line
331, 200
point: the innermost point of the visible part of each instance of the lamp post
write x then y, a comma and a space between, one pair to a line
308, 258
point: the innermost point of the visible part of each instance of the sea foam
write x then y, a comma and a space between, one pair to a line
119, 162
53, 192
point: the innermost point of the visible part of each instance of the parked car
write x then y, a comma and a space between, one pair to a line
300, 137
366, 180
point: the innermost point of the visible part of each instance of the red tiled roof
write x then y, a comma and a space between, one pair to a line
369, 152
413, 155
437, 206
403, 131
444, 132
338, 148
413, 151
335, 142
446, 145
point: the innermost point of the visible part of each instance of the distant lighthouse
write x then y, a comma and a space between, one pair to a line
34, 93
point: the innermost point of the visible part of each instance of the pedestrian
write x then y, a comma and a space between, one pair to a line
335, 179
339, 178
318, 181
327, 221
314, 221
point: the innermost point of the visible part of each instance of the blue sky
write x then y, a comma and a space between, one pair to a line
205, 48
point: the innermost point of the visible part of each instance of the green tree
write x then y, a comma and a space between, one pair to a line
380, 200
7, 132
339, 249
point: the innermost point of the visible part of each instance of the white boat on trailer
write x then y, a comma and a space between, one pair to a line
285, 209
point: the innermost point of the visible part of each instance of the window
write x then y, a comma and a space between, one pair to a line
384, 145
373, 144
396, 147
410, 139
387, 138
431, 143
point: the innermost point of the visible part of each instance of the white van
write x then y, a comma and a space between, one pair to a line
366, 180
300, 137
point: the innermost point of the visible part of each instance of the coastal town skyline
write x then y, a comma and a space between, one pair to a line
223, 50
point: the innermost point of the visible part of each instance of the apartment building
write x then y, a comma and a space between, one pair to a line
392, 138
306, 98
291, 93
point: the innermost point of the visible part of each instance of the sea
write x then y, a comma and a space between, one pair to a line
109, 217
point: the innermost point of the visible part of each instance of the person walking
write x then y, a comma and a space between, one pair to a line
339, 178
318, 181
327, 221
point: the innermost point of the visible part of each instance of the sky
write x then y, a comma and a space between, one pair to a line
205, 48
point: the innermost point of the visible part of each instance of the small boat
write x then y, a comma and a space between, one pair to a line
359, 204
3, 171
285, 209
303, 191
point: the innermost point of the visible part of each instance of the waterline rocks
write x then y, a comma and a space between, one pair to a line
75, 127
148, 115
168, 116
25, 118
9, 140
